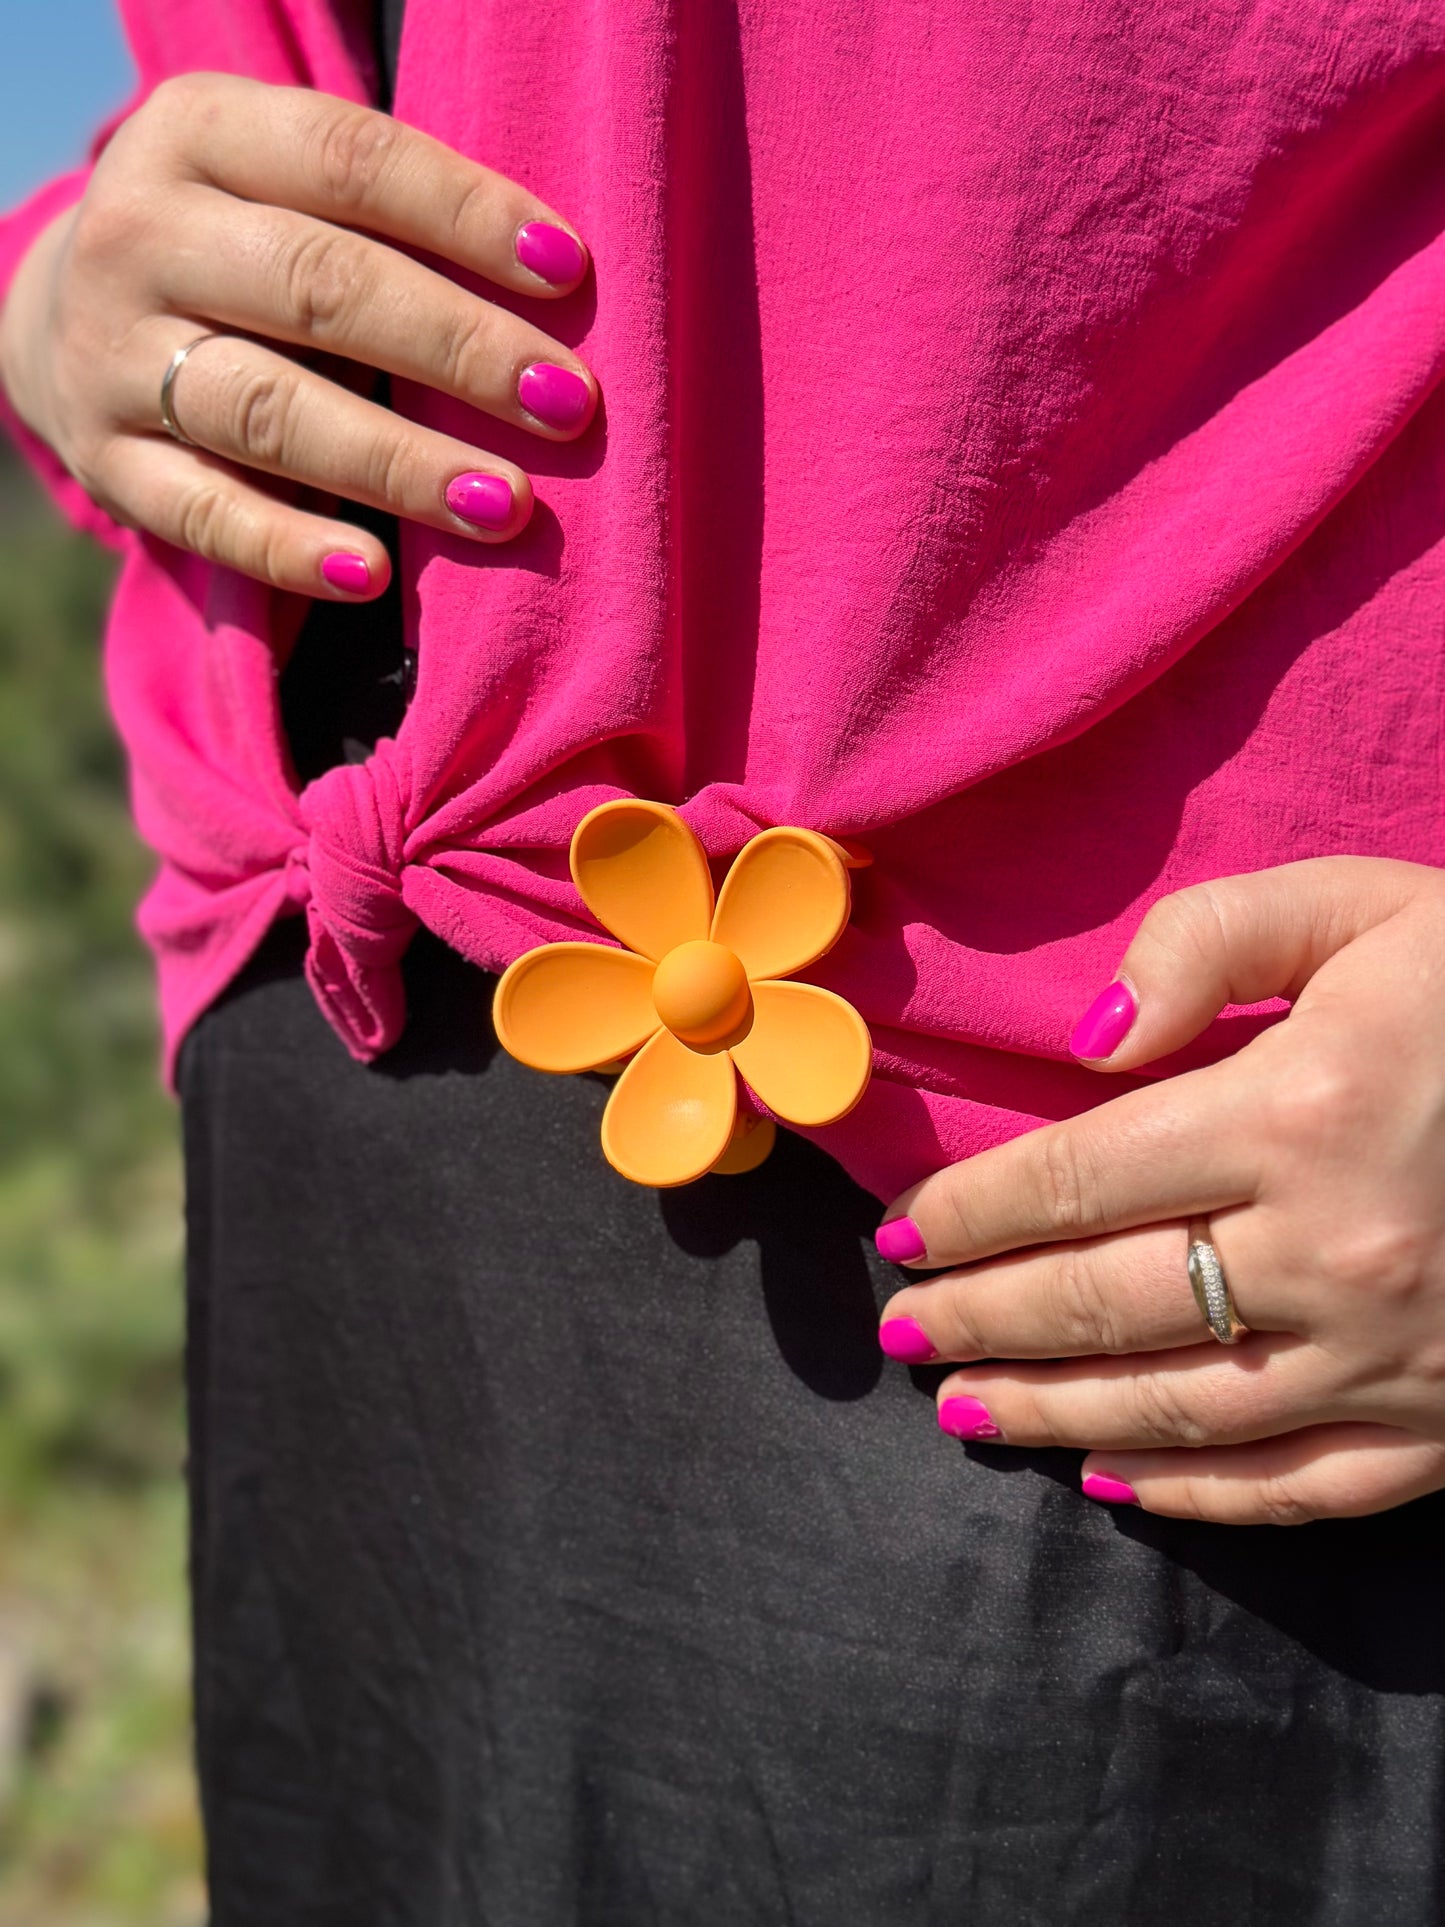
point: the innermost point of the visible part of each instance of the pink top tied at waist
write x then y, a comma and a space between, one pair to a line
347, 878
1023, 451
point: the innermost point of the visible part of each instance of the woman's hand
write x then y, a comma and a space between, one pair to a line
230, 205
1318, 1155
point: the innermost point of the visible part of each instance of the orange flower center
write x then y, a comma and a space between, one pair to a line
701, 993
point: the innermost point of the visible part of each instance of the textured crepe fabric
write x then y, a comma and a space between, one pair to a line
566, 1555
1022, 451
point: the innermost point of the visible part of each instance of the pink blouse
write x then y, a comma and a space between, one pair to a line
1022, 451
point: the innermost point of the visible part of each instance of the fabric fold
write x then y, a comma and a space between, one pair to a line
347, 876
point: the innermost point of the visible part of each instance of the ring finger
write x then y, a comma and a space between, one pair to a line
1128, 1292
190, 499
248, 404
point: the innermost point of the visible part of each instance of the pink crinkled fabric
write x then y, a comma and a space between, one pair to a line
1023, 451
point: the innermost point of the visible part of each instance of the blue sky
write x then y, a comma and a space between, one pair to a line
64, 66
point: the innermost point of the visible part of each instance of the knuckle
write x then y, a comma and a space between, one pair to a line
100, 471
356, 147
1282, 1500
174, 99
476, 208
388, 469
1320, 1101
957, 1231
87, 458
181, 107
1387, 1257
1158, 1413
1083, 1312
467, 351
1189, 925
261, 411
273, 554
321, 275
113, 223
1062, 1182
958, 1334
201, 517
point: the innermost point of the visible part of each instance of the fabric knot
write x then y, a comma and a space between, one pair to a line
355, 816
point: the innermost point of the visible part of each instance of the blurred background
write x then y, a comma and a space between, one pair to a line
97, 1809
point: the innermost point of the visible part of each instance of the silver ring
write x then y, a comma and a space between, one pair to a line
168, 384
1211, 1287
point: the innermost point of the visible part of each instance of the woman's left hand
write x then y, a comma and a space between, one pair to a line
1317, 1154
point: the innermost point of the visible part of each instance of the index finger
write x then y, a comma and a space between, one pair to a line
292, 147
1173, 1150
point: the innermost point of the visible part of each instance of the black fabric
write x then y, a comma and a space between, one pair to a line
350, 675
387, 16
565, 1553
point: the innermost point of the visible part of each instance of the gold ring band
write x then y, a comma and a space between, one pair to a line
1211, 1288
168, 399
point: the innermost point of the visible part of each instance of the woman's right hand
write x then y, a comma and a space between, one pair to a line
226, 204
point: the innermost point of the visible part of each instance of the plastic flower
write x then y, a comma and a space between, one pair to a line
697, 994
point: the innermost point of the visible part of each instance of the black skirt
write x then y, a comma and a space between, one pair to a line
566, 1552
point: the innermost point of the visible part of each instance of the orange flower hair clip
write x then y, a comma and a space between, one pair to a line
697, 994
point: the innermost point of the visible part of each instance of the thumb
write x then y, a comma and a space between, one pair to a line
1237, 940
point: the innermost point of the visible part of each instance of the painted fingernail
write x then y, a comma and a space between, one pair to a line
1106, 1023
549, 252
347, 572
554, 395
899, 1241
483, 499
906, 1340
1104, 1487
967, 1418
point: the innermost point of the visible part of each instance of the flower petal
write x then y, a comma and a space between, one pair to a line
783, 903
574, 1006
808, 1055
671, 1113
749, 1146
643, 875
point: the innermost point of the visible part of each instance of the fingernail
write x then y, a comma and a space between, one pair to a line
550, 252
899, 1241
347, 572
1109, 1490
1106, 1023
483, 499
554, 395
967, 1418
906, 1340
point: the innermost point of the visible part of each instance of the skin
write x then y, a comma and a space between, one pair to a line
1318, 1154
228, 204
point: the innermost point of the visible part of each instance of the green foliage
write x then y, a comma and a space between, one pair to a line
97, 1823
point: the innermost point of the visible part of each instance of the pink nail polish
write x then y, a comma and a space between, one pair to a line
1109, 1490
348, 572
899, 1240
483, 499
966, 1418
906, 1340
1105, 1024
550, 253
554, 395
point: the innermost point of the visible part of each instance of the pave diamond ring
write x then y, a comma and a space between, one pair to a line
1211, 1288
